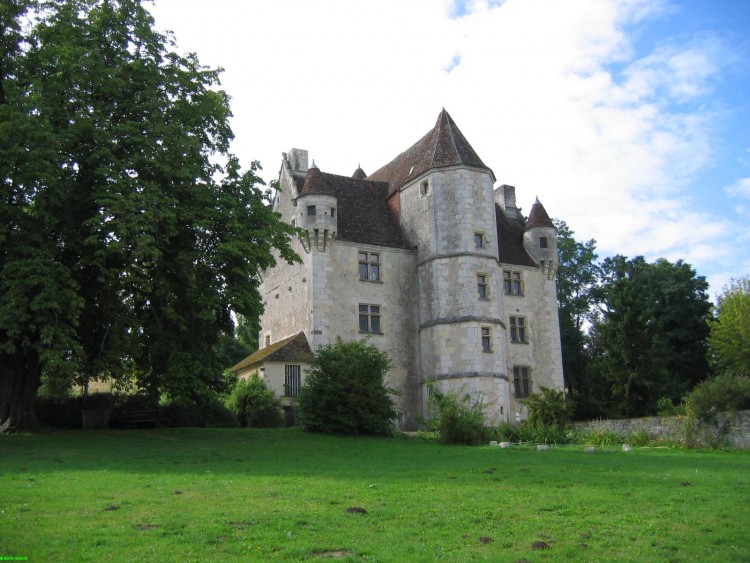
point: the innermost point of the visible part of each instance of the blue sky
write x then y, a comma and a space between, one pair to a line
629, 119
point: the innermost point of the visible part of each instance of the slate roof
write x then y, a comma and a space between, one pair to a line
359, 174
363, 214
443, 146
538, 217
510, 236
293, 349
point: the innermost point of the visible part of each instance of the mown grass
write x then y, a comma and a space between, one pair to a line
210, 495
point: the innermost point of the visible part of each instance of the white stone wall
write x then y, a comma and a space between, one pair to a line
287, 289
459, 203
337, 294
273, 375
542, 353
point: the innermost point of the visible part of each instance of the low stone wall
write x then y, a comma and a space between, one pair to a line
734, 427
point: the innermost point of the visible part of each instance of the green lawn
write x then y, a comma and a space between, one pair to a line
211, 495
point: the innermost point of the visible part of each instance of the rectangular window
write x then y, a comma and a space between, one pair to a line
518, 330
512, 283
369, 266
521, 383
479, 240
268, 339
292, 380
311, 210
486, 339
369, 319
542, 242
424, 188
333, 212
482, 286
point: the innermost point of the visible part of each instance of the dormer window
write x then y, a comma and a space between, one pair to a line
311, 210
542, 242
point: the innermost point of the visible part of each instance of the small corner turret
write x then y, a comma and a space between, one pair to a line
540, 239
316, 212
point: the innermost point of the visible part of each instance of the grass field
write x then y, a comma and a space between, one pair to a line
257, 495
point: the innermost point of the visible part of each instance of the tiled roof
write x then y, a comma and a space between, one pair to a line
538, 217
293, 349
363, 214
510, 237
443, 146
359, 174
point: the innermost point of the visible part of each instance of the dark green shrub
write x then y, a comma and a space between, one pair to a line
723, 393
98, 400
345, 393
665, 407
206, 412
549, 408
255, 405
639, 438
126, 403
458, 419
63, 413
601, 438
537, 432
506, 432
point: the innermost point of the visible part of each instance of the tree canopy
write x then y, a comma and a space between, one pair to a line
128, 231
632, 332
729, 339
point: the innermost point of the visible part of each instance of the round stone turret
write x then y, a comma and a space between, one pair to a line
540, 239
316, 212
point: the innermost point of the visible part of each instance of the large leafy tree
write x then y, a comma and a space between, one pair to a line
729, 339
577, 295
128, 232
650, 339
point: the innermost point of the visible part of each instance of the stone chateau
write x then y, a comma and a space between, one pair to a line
427, 259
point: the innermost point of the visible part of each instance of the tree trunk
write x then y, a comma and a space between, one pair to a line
20, 377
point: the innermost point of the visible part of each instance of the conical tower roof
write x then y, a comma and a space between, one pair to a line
444, 145
538, 217
359, 174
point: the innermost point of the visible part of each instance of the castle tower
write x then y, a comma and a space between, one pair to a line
540, 240
446, 208
316, 212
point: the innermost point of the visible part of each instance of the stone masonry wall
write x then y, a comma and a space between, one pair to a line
736, 425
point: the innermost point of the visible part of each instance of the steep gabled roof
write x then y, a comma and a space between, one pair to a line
363, 214
293, 349
510, 240
443, 146
538, 217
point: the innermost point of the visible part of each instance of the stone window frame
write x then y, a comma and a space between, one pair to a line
518, 330
370, 318
542, 242
480, 239
311, 210
483, 286
267, 339
424, 187
369, 270
521, 381
485, 338
513, 283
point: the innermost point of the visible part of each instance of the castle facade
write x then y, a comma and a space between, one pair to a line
427, 259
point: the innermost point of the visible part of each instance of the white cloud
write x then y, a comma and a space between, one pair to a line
741, 188
552, 95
